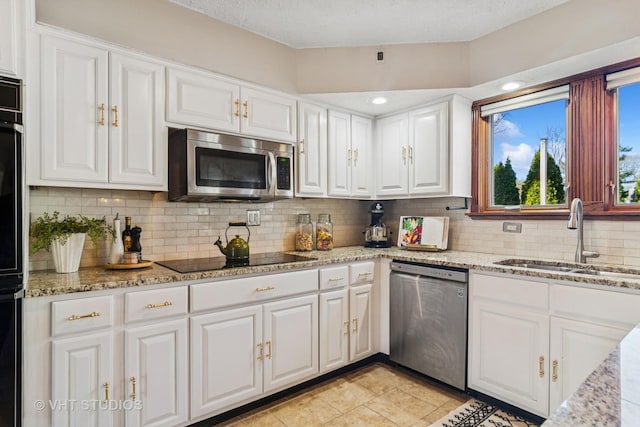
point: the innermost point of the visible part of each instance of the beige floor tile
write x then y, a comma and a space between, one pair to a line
400, 407
361, 417
378, 380
427, 393
305, 411
432, 417
345, 395
261, 419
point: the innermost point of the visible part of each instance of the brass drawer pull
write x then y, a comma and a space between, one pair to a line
115, 113
266, 288
335, 279
346, 327
83, 316
133, 385
261, 347
106, 392
237, 113
162, 304
365, 274
355, 324
554, 372
246, 109
268, 356
541, 366
101, 108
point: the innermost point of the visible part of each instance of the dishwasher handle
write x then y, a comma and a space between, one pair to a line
434, 271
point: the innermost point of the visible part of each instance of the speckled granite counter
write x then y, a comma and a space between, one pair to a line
610, 396
45, 283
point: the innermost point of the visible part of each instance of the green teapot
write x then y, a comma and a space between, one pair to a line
237, 250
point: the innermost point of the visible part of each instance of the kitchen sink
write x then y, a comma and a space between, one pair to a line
572, 268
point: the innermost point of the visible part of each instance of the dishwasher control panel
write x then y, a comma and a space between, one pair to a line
438, 272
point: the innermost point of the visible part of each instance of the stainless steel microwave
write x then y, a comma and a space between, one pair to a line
206, 166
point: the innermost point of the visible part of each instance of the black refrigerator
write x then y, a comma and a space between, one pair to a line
11, 250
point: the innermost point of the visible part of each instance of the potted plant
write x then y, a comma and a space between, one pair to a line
65, 237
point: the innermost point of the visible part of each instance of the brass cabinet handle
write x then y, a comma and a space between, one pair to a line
83, 316
266, 288
346, 327
132, 380
115, 112
335, 279
365, 274
261, 354
237, 113
411, 154
554, 372
355, 324
355, 155
404, 154
268, 356
541, 366
349, 157
245, 104
101, 108
160, 305
301, 149
106, 392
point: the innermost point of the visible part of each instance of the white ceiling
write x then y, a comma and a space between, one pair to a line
340, 23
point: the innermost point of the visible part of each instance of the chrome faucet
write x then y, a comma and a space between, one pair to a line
575, 222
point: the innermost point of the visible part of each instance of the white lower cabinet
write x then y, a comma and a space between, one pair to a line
346, 319
240, 353
532, 344
82, 380
156, 374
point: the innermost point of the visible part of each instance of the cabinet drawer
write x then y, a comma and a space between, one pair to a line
510, 290
156, 303
334, 277
205, 296
84, 314
362, 272
594, 305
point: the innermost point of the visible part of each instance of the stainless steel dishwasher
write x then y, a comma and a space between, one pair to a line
428, 320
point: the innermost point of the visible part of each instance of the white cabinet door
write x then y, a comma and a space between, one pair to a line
8, 36
74, 134
340, 155
267, 115
156, 373
136, 131
508, 352
199, 99
226, 350
361, 155
290, 341
334, 329
82, 378
392, 151
428, 153
577, 348
311, 158
360, 306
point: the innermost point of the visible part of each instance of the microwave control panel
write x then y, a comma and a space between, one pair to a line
284, 173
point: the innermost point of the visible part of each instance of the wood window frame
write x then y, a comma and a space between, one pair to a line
591, 151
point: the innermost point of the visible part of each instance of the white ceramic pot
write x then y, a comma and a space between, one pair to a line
66, 257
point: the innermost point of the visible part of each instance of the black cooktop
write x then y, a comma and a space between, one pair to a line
219, 263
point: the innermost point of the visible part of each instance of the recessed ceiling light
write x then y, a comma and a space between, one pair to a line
511, 85
378, 100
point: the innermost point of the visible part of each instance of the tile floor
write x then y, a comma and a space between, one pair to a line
375, 395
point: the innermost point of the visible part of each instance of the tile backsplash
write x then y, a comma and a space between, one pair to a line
187, 230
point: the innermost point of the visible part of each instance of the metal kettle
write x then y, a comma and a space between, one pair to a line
237, 250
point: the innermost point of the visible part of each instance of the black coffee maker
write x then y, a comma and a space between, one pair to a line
377, 235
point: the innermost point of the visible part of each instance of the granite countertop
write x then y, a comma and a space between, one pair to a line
610, 396
47, 283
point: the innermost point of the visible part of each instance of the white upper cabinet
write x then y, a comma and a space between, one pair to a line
349, 149
201, 99
101, 118
392, 138
10, 37
311, 157
426, 152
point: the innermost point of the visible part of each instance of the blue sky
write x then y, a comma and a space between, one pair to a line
520, 131
629, 123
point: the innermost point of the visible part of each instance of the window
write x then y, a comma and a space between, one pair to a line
589, 127
528, 149
626, 87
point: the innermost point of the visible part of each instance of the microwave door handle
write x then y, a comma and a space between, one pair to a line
271, 172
